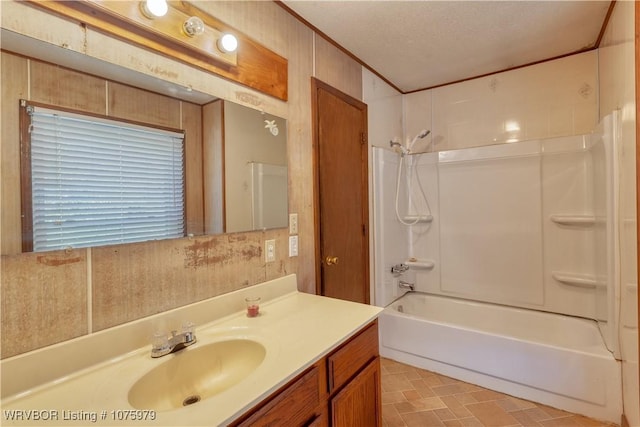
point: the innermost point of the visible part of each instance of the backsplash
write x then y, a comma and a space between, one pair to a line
55, 296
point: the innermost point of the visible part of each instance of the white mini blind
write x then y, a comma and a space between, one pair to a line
97, 182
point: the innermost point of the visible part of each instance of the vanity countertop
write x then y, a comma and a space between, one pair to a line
297, 329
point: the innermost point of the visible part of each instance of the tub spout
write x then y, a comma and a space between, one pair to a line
405, 285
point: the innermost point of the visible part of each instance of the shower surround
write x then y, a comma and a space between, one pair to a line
528, 225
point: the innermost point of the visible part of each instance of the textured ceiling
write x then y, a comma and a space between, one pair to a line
421, 44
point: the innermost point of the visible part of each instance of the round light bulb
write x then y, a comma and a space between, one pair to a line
228, 43
155, 8
193, 26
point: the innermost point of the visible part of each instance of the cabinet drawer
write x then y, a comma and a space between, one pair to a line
294, 406
345, 362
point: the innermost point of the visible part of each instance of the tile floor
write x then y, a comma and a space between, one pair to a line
415, 397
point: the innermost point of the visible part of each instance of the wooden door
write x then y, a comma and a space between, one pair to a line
341, 194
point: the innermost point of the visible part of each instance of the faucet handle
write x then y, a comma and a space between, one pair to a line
189, 329
160, 341
399, 268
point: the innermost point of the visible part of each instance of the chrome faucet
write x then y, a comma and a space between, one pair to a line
405, 285
163, 345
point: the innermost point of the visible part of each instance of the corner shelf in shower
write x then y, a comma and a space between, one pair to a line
418, 219
425, 264
575, 220
586, 281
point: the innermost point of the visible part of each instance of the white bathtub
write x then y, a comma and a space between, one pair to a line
549, 358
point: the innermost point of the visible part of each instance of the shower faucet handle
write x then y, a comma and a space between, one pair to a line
399, 268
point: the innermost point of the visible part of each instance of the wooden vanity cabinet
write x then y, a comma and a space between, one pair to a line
353, 372
340, 390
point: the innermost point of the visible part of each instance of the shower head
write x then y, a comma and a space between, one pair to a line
423, 133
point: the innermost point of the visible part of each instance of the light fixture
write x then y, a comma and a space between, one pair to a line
227, 43
193, 26
154, 8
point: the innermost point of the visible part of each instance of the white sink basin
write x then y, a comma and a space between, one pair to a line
194, 374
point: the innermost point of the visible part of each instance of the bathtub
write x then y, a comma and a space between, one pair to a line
557, 360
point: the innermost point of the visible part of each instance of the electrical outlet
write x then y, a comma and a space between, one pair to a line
269, 250
293, 223
293, 246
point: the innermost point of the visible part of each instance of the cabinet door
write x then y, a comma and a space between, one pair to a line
359, 404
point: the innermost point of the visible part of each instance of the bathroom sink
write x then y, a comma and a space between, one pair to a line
194, 374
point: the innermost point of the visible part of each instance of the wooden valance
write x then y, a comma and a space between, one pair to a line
252, 65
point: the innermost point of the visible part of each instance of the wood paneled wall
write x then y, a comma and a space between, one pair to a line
53, 297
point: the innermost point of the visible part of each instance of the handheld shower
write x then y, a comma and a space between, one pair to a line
404, 150
423, 133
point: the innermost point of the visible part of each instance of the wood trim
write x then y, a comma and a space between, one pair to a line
334, 43
26, 203
529, 64
315, 136
364, 156
185, 209
605, 23
257, 67
224, 167
637, 72
106, 117
26, 206
364, 64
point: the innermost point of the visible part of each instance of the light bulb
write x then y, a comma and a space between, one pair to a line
227, 43
154, 8
193, 26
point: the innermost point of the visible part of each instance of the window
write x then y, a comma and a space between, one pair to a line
89, 181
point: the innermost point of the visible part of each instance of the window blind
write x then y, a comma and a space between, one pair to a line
98, 182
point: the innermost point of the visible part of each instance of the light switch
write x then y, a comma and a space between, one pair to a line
293, 246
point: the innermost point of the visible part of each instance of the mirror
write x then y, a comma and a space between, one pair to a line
235, 156
253, 193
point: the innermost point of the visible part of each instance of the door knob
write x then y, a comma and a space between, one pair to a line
330, 260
